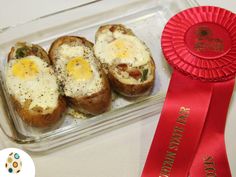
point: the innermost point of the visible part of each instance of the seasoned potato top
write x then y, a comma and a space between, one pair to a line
32, 81
116, 47
77, 71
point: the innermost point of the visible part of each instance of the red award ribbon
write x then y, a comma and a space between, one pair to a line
211, 159
200, 44
173, 148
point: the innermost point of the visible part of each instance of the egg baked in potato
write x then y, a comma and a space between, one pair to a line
126, 60
81, 77
33, 87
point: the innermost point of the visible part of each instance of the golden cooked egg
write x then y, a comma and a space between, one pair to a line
24, 68
32, 79
122, 48
79, 69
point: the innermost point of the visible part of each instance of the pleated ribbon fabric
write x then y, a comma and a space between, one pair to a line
200, 44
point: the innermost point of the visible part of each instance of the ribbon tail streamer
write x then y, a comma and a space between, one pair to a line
211, 158
179, 130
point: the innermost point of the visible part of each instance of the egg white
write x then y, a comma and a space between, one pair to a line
71, 86
67, 52
42, 88
107, 51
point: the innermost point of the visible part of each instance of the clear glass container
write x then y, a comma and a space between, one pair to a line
146, 18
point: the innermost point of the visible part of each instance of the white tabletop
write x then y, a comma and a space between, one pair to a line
119, 153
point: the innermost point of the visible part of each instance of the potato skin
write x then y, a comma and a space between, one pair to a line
39, 117
66, 40
127, 90
41, 53
132, 90
36, 118
114, 27
96, 103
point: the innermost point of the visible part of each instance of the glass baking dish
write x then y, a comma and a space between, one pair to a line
146, 18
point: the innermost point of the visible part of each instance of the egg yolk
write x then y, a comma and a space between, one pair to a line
25, 68
123, 48
79, 69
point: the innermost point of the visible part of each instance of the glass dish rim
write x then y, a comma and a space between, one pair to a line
3, 29
74, 127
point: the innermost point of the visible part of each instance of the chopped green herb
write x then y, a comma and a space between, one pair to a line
145, 74
22, 52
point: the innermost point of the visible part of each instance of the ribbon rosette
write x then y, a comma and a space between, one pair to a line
200, 44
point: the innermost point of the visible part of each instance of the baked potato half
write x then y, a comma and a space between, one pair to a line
126, 60
33, 86
80, 74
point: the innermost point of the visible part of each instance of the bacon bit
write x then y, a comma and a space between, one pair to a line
34, 50
122, 67
112, 28
135, 73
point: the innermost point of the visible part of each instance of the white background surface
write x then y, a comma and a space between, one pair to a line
120, 153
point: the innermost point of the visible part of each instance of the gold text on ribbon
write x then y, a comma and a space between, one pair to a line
209, 166
175, 141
